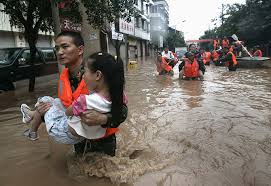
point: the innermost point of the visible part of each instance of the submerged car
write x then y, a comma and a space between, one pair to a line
15, 64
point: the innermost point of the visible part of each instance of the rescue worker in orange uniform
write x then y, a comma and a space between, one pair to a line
206, 57
162, 65
69, 49
225, 42
191, 68
258, 52
168, 55
230, 59
215, 56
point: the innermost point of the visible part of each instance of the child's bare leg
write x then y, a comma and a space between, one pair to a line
36, 120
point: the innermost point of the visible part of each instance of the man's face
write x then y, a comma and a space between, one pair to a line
67, 52
166, 50
193, 48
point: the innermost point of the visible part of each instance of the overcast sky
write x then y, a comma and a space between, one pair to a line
193, 17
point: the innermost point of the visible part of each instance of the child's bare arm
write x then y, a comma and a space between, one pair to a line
69, 111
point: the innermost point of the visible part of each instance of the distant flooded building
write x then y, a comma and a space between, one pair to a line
159, 22
137, 32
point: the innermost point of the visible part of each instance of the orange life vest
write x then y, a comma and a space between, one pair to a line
215, 55
206, 57
215, 43
191, 69
65, 93
233, 59
163, 65
258, 53
67, 97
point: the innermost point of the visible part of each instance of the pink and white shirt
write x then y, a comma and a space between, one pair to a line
81, 105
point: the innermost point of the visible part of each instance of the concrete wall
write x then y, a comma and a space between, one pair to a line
15, 39
7, 39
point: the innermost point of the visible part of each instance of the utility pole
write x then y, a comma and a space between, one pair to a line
222, 21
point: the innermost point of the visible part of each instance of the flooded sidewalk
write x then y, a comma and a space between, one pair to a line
212, 132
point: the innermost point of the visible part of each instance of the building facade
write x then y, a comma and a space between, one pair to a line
159, 14
136, 33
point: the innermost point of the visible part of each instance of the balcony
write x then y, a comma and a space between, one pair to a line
142, 34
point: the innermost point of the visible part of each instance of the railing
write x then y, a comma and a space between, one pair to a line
142, 34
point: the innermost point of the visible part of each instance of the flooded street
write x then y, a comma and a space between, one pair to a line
212, 132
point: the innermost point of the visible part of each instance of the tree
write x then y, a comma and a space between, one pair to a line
32, 16
102, 13
174, 39
250, 21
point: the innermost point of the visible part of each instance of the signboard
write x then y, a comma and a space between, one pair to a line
116, 35
66, 24
199, 41
127, 28
93, 36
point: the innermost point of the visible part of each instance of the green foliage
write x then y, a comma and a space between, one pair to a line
174, 39
71, 11
101, 12
250, 21
29, 13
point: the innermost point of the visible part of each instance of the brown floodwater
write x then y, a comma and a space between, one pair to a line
212, 132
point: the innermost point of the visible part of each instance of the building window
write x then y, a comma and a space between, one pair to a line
136, 2
154, 9
147, 9
137, 22
144, 25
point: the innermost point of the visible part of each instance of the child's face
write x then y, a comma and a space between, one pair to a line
91, 79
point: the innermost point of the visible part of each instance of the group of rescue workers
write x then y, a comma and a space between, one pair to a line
193, 62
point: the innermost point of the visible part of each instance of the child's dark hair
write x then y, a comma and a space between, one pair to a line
113, 72
76, 36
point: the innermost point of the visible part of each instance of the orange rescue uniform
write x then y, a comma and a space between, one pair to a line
191, 69
67, 97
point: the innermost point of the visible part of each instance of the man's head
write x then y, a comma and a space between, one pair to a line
166, 49
192, 47
69, 48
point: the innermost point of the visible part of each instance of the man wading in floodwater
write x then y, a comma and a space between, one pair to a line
69, 48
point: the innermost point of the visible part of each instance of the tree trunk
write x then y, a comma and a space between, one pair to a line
57, 29
126, 50
117, 46
32, 39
